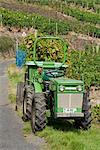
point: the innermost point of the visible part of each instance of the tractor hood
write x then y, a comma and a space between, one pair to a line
68, 85
67, 81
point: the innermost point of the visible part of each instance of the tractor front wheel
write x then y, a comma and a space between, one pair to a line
38, 112
85, 122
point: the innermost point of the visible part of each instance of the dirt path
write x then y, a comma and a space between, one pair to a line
11, 137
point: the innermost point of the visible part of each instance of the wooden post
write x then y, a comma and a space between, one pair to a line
36, 32
49, 21
1, 20
56, 28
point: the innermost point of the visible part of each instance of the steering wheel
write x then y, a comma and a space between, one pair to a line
54, 73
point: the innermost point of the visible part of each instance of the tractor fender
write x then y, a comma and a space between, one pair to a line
37, 87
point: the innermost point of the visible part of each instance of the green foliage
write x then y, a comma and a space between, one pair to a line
62, 135
27, 129
46, 50
96, 113
85, 65
74, 12
12, 98
15, 75
81, 15
90, 4
6, 45
87, 4
46, 25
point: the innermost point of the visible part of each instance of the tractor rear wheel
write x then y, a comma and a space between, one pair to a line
19, 94
27, 102
38, 112
85, 122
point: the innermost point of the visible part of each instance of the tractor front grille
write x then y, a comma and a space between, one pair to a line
70, 100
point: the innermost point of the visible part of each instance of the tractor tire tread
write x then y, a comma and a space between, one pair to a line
40, 112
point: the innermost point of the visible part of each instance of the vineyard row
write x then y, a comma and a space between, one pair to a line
88, 4
44, 24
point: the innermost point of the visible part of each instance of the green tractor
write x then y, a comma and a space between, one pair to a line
46, 88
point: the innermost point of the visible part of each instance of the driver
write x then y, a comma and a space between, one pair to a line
40, 70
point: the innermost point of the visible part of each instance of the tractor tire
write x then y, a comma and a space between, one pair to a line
38, 111
19, 94
85, 122
27, 103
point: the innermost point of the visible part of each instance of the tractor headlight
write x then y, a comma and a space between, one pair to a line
61, 88
79, 88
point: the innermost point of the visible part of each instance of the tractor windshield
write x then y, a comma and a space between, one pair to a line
50, 50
